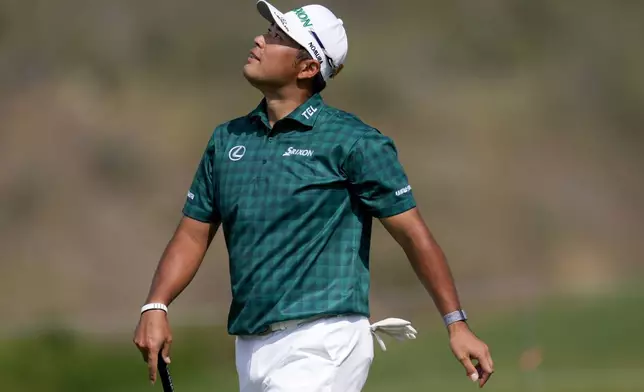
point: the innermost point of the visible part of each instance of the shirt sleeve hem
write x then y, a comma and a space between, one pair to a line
398, 208
197, 214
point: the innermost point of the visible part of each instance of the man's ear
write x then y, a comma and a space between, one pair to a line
308, 69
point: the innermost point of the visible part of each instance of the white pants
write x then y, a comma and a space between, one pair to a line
326, 355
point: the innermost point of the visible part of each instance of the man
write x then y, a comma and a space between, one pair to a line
295, 185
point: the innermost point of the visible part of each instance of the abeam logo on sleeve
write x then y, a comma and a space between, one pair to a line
294, 151
191, 196
404, 190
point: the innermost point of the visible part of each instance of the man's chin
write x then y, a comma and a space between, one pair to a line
249, 75
252, 77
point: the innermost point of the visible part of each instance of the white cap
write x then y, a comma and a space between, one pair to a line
317, 29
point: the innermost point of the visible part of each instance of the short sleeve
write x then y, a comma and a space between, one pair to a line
376, 176
200, 202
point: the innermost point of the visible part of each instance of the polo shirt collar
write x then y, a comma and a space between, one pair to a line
259, 113
305, 114
308, 112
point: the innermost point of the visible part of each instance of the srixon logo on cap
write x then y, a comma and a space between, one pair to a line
304, 18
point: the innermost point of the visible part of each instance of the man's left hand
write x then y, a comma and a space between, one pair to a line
466, 347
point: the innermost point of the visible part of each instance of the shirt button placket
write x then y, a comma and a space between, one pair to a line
271, 146
269, 149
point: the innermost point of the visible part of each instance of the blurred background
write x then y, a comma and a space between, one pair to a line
519, 123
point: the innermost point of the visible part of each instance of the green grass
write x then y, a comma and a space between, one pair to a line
591, 346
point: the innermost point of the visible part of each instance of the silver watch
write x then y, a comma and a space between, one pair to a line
452, 317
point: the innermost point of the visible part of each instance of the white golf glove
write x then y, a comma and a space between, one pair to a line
397, 328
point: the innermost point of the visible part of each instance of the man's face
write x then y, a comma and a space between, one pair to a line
273, 60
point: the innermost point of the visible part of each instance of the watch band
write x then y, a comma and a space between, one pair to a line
452, 317
154, 306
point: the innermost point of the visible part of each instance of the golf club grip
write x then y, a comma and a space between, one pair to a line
164, 374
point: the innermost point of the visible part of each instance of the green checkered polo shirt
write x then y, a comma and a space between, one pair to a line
296, 204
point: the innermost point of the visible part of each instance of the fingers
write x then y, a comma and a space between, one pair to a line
481, 376
153, 337
165, 352
482, 371
469, 368
143, 349
150, 353
485, 366
153, 356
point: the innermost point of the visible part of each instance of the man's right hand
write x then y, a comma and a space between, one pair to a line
151, 336
178, 265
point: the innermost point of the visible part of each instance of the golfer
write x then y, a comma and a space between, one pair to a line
294, 185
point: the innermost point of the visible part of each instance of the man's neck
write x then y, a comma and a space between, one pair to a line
281, 103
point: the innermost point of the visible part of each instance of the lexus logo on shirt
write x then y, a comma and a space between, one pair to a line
236, 153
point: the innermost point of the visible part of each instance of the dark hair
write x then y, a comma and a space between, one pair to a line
318, 81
